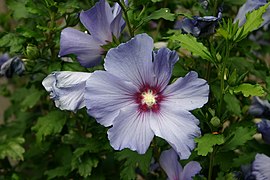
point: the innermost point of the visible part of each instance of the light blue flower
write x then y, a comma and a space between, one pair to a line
170, 164
67, 88
260, 167
102, 22
133, 96
250, 6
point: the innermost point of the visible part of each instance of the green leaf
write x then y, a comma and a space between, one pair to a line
232, 104
249, 89
84, 165
32, 98
223, 176
238, 137
50, 124
133, 160
11, 147
206, 143
161, 13
18, 8
253, 21
191, 44
58, 172
243, 159
85, 168
224, 160
12, 41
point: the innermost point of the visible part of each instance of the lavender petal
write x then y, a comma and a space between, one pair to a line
84, 46
67, 89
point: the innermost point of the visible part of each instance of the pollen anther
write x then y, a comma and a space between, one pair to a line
148, 98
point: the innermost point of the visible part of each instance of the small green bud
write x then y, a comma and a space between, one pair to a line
32, 51
215, 121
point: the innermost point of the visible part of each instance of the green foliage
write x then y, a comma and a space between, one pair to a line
238, 137
38, 141
32, 99
249, 89
253, 21
11, 147
191, 44
206, 143
50, 124
161, 13
13, 42
232, 104
132, 160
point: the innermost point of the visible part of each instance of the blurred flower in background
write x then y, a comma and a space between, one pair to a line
199, 26
10, 66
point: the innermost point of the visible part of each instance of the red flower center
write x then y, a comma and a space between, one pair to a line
148, 99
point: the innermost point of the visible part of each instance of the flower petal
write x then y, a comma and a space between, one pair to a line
264, 129
12, 66
132, 61
117, 24
131, 129
259, 108
67, 89
190, 170
261, 166
106, 94
189, 92
84, 46
4, 58
177, 127
169, 162
164, 60
97, 20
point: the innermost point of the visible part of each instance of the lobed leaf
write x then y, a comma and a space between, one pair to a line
133, 160
50, 124
11, 147
191, 44
238, 137
249, 89
206, 143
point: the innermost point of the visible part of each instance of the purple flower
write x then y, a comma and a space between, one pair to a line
249, 6
67, 89
264, 129
133, 96
260, 108
170, 164
11, 66
103, 22
4, 58
199, 26
260, 167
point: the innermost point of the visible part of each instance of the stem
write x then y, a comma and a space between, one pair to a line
210, 171
222, 83
221, 90
50, 36
123, 7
